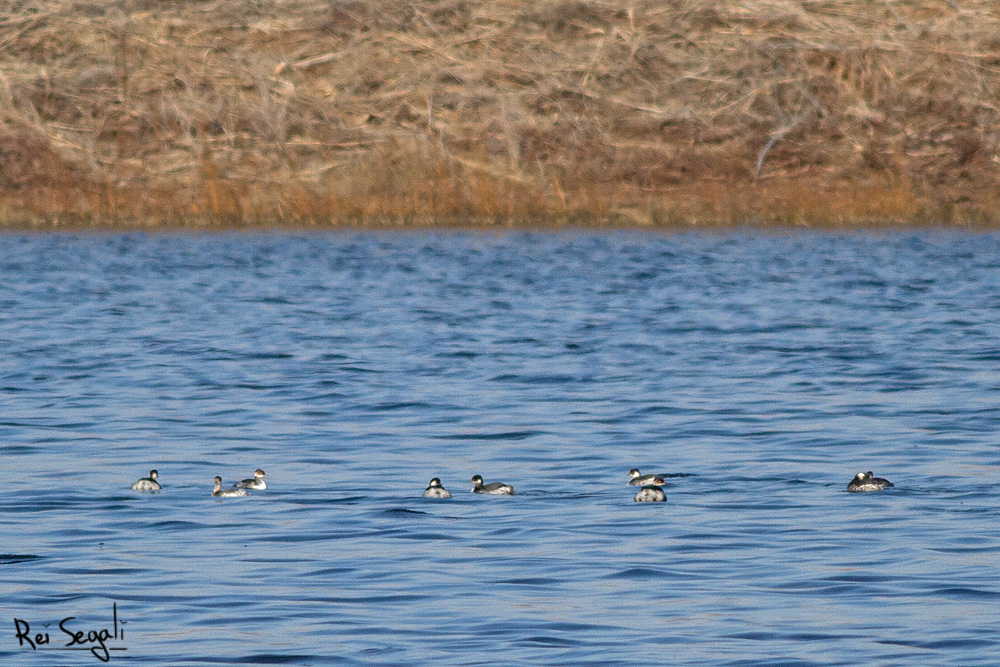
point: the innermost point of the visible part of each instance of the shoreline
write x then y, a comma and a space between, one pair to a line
549, 226
799, 204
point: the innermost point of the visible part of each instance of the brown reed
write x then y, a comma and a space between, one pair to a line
430, 112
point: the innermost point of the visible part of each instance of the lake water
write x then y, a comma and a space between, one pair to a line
760, 371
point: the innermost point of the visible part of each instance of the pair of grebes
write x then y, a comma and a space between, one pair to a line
240, 488
651, 491
435, 490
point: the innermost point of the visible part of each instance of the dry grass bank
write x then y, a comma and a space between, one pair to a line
205, 112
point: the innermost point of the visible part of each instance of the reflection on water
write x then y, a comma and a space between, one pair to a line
759, 373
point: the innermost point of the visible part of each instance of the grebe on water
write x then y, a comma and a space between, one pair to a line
493, 488
227, 493
435, 490
864, 481
148, 483
257, 483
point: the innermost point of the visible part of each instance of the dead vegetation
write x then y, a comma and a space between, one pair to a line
641, 112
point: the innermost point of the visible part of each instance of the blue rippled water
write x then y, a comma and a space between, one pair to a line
760, 371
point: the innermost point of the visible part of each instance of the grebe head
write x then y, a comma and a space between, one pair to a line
633, 473
862, 476
258, 473
435, 482
658, 481
477, 480
153, 474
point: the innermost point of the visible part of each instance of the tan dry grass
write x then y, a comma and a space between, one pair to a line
642, 112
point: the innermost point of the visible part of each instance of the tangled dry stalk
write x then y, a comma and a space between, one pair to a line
640, 112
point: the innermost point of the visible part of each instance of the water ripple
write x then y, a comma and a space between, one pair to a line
758, 372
